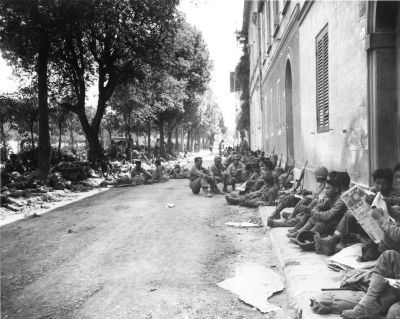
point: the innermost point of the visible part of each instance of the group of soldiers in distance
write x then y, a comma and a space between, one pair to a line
322, 213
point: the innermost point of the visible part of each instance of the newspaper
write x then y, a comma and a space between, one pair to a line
354, 199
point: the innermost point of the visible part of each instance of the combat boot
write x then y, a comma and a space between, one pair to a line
233, 200
369, 307
329, 243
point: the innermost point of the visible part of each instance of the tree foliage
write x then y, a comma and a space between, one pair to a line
242, 72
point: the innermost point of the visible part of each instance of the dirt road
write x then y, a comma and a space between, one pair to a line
122, 254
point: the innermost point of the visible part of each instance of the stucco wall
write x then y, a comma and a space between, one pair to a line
345, 146
275, 135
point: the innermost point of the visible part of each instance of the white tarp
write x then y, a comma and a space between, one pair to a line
348, 257
254, 284
242, 225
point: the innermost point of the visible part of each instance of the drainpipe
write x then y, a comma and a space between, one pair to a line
260, 64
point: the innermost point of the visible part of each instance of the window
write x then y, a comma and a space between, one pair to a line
322, 71
275, 5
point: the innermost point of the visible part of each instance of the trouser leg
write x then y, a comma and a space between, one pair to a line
195, 186
325, 228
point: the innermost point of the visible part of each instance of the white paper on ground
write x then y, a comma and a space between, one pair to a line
347, 258
170, 205
242, 187
254, 284
243, 224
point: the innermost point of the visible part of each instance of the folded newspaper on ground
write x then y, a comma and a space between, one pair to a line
348, 258
354, 199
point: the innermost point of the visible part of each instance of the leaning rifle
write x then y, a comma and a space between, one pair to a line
299, 181
287, 175
287, 162
280, 161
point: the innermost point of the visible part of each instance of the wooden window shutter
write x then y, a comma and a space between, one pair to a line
322, 77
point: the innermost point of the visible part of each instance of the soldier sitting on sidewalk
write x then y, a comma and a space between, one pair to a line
325, 218
291, 200
301, 213
265, 168
200, 178
382, 299
266, 196
383, 181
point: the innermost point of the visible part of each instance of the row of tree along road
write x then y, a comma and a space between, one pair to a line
150, 70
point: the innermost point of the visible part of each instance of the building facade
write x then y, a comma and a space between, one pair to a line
325, 83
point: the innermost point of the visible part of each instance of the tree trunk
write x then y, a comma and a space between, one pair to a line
148, 135
110, 135
32, 140
169, 141
71, 134
189, 137
59, 137
182, 139
44, 136
176, 138
161, 129
3, 137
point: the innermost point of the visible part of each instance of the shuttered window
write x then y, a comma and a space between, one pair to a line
322, 44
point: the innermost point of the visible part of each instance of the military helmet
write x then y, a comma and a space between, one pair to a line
321, 172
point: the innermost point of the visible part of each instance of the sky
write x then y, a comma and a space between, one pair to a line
217, 20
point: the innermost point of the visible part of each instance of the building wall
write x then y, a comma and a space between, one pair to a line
345, 145
286, 51
255, 103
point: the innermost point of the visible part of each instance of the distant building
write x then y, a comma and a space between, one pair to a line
325, 82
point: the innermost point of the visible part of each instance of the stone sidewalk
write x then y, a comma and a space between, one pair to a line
305, 272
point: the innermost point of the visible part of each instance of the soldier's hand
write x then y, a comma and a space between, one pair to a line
369, 199
377, 214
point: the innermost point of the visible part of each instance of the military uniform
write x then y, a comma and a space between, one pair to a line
325, 218
291, 200
266, 196
234, 174
200, 179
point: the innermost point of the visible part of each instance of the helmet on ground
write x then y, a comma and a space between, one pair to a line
306, 240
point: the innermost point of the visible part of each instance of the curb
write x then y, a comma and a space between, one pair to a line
305, 272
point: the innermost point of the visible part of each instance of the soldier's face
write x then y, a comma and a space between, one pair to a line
382, 185
330, 191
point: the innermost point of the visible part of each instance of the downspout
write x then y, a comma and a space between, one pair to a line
260, 64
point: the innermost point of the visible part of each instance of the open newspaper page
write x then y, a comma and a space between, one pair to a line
354, 199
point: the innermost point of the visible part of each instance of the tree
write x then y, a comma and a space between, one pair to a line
111, 122
112, 40
27, 29
242, 79
6, 106
61, 117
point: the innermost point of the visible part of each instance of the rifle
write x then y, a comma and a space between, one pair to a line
280, 160
273, 151
287, 175
300, 178
287, 162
